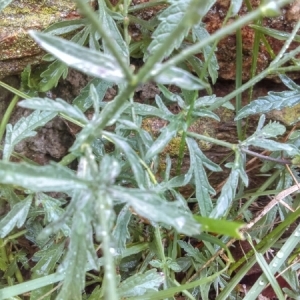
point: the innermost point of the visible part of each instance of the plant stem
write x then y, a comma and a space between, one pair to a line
146, 5
15, 91
161, 254
7, 115
109, 266
212, 140
238, 80
277, 160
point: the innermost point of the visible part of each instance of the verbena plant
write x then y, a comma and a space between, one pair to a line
92, 239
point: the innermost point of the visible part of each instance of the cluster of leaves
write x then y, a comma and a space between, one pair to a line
101, 203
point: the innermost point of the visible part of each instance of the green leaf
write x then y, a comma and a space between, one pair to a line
64, 27
75, 262
88, 61
171, 96
45, 178
174, 266
206, 114
156, 263
15, 217
235, 6
271, 145
278, 35
178, 77
205, 101
47, 259
224, 227
139, 284
84, 100
151, 206
120, 232
53, 211
4, 3
147, 110
203, 188
170, 18
289, 83
58, 105
24, 128
192, 251
133, 158
109, 25
52, 74
227, 195
200, 33
274, 100
261, 136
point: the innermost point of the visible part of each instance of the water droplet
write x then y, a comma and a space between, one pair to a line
274, 265
261, 282
103, 233
297, 233
280, 254
112, 250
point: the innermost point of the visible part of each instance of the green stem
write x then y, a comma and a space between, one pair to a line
7, 115
146, 5
269, 158
212, 140
109, 266
15, 91
161, 254
238, 80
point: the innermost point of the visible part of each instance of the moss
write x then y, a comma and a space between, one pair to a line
19, 17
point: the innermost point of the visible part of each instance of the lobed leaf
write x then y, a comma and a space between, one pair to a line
64, 27
15, 217
4, 3
120, 232
139, 284
151, 206
88, 61
24, 128
169, 20
177, 76
84, 100
75, 263
200, 33
40, 178
109, 25
203, 188
133, 158
58, 105
227, 195
274, 100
